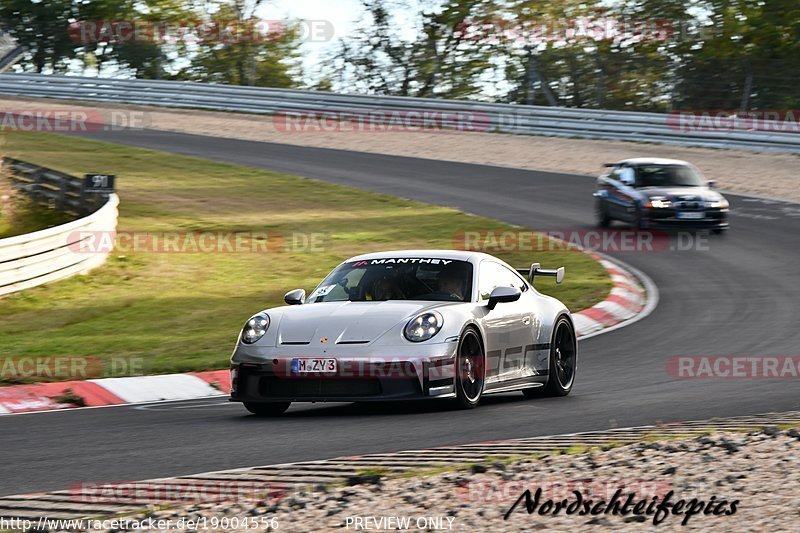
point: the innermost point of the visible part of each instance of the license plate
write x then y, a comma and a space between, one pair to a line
692, 216
314, 366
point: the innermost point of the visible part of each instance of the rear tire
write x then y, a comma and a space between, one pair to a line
267, 409
470, 370
563, 362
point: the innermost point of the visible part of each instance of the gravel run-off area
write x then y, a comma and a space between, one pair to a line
731, 481
763, 174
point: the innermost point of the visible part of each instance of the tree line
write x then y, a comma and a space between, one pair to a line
649, 55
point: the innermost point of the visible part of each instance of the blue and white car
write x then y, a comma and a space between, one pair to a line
659, 193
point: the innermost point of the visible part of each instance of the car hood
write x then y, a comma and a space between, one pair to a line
345, 322
682, 193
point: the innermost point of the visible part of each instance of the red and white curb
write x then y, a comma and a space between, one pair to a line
113, 391
631, 299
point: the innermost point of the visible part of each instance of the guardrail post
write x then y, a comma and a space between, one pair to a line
62, 194
82, 207
37, 183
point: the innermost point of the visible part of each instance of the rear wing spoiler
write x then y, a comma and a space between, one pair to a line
537, 270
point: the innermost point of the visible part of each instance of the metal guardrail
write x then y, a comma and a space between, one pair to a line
55, 253
504, 118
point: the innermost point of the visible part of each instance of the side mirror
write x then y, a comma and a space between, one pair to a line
503, 295
712, 184
295, 297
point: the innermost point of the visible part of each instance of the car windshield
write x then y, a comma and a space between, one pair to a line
397, 279
668, 176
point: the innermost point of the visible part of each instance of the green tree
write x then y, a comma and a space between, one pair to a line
437, 61
591, 54
747, 55
41, 27
63, 35
66, 34
247, 52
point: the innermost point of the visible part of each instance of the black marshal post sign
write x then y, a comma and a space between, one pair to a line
99, 183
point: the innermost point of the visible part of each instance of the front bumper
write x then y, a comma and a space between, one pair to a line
669, 218
357, 379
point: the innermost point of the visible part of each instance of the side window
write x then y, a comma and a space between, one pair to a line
513, 279
495, 275
627, 176
336, 292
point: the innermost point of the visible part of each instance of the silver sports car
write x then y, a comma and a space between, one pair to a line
412, 324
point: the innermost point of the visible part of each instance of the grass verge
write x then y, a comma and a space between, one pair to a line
177, 312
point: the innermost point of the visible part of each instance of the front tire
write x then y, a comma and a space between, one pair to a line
603, 220
563, 362
470, 370
639, 221
267, 409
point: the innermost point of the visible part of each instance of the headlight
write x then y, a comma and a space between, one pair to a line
659, 203
722, 203
424, 326
255, 328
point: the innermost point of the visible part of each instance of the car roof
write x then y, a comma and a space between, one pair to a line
457, 255
636, 161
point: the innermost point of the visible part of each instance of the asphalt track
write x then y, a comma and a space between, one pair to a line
734, 295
